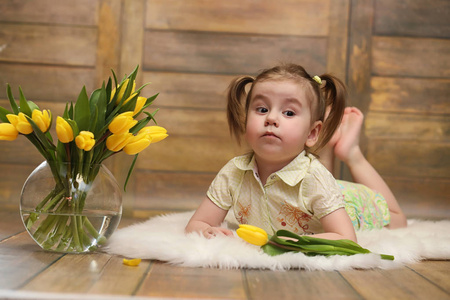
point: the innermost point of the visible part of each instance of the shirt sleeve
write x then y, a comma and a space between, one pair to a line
220, 190
321, 192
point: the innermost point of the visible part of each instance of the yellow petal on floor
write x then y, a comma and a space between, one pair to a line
132, 262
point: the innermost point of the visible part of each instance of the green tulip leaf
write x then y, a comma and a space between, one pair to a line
129, 172
284, 240
3, 113
12, 101
82, 110
32, 106
24, 106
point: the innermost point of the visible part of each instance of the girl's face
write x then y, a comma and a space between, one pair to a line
279, 121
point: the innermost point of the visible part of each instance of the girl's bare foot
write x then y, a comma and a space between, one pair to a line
347, 144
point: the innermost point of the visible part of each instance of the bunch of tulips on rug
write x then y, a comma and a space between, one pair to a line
89, 131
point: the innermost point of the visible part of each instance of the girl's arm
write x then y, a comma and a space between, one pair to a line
337, 225
207, 219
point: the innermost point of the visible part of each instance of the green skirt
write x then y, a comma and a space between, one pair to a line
367, 209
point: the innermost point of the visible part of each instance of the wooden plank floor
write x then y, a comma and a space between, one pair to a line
25, 269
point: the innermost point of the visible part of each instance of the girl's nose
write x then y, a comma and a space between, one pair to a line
271, 119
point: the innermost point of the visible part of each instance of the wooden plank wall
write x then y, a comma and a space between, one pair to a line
408, 119
190, 50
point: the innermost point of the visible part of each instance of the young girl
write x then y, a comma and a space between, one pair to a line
281, 184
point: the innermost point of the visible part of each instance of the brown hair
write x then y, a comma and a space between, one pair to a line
331, 92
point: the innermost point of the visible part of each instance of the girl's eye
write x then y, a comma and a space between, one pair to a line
262, 110
289, 113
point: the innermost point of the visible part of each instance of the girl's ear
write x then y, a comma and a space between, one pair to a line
314, 134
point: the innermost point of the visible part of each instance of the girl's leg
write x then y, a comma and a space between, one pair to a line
347, 149
326, 155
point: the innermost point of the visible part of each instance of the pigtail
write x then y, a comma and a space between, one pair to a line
236, 112
334, 94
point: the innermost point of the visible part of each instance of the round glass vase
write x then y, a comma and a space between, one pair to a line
70, 208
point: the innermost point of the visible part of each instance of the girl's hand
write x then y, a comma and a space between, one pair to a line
212, 232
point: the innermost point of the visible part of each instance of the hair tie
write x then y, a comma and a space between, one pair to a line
317, 79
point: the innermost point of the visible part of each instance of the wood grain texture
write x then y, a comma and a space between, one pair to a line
412, 95
204, 52
193, 122
421, 197
37, 43
270, 285
188, 90
12, 178
401, 283
119, 279
44, 83
21, 259
409, 158
434, 271
404, 56
108, 43
189, 153
11, 222
85, 270
423, 127
174, 281
158, 190
359, 68
80, 12
291, 17
418, 18
338, 38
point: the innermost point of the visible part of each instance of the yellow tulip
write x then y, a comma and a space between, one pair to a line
63, 130
20, 122
252, 234
137, 143
42, 119
139, 104
117, 141
8, 132
122, 123
157, 133
85, 140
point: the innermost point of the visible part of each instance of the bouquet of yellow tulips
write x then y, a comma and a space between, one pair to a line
89, 131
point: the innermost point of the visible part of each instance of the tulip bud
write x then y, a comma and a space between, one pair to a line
139, 105
20, 122
122, 90
157, 133
8, 132
85, 140
122, 123
63, 130
117, 141
252, 234
137, 143
42, 119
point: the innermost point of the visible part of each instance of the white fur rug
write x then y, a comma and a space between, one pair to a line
162, 238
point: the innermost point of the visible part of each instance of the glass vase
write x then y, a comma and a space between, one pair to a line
70, 208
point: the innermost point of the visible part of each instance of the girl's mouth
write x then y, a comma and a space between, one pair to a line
270, 134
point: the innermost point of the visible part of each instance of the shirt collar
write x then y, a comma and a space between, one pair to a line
291, 174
